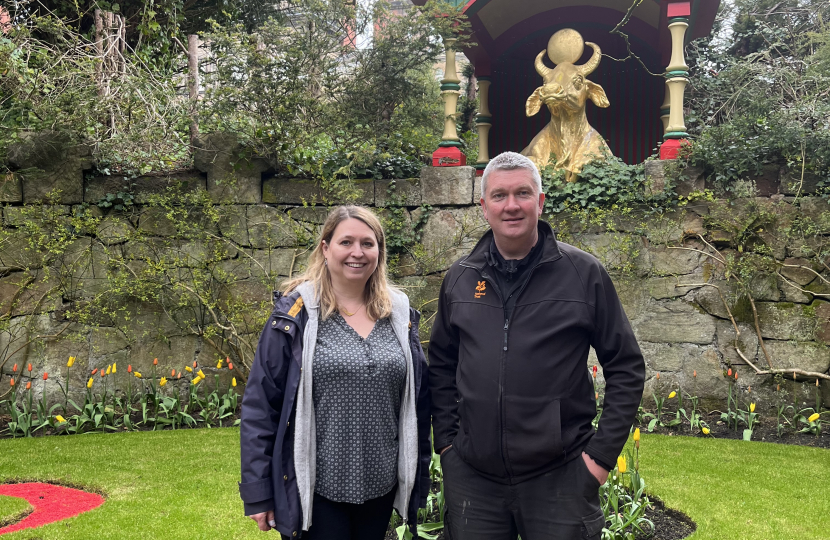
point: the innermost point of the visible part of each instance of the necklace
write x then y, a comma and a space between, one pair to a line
347, 314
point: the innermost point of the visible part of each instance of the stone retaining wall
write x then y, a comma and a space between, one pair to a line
255, 230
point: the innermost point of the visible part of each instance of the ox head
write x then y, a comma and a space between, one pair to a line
566, 86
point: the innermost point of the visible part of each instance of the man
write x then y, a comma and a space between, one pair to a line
512, 398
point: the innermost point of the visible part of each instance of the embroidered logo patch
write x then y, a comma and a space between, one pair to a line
480, 289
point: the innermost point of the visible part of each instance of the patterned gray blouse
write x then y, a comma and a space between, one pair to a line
357, 387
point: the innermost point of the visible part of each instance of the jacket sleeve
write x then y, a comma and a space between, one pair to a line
443, 361
261, 406
423, 411
622, 365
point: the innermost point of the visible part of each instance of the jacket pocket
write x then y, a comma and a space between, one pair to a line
532, 433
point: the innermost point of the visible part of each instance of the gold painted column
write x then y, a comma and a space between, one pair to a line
484, 120
677, 76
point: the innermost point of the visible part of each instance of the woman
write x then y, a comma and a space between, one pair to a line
335, 416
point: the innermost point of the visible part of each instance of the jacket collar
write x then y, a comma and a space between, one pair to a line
478, 256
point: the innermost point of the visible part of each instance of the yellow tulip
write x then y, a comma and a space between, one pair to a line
233, 382
113, 368
673, 394
202, 375
137, 375
813, 417
60, 419
70, 361
705, 431
163, 381
109, 370
219, 364
197, 380
751, 407
189, 369
621, 465
89, 382
636, 434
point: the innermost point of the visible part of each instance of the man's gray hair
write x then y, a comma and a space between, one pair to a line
510, 161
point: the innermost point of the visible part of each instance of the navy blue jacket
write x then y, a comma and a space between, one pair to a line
267, 426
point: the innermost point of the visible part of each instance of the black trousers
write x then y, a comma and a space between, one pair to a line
346, 521
562, 504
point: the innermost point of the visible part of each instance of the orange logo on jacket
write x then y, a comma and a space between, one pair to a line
480, 289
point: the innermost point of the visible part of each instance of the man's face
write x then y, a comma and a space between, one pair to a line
511, 205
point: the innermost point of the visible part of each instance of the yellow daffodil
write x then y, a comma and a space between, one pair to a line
201, 374
636, 434
163, 381
219, 364
705, 431
60, 419
137, 375
188, 369
233, 382
673, 394
89, 382
113, 368
751, 407
70, 361
621, 465
109, 370
813, 417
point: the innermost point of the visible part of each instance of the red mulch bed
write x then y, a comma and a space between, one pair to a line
50, 503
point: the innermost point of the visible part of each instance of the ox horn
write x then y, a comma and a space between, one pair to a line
588, 67
541, 68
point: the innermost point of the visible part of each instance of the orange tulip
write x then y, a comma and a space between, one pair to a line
658, 375
129, 368
777, 387
729, 372
180, 375
230, 365
29, 385
694, 373
736, 374
103, 373
30, 367
194, 364
596, 396
45, 375
172, 372
94, 371
155, 361
11, 383
794, 376
14, 368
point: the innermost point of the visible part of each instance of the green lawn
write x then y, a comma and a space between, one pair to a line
11, 508
182, 485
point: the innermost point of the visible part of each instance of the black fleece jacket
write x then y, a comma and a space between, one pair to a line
513, 394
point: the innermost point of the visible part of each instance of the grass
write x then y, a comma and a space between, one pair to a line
182, 485
11, 508
739, 490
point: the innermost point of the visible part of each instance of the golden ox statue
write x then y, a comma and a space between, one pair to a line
568, 137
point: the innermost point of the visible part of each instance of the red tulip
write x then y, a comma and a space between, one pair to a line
230, 365
129, 368
729, 372
14, 368
30, 368
11, 383
45, 375
155, 361
29, 385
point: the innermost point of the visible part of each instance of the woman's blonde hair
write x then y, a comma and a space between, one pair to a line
377, 292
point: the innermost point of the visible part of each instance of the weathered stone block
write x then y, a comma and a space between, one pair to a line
11, 189
450, 234
792, 183
800, 271
231, 175
16, 216
16, 253
616, 251
315, 215
153, 220
809, 355
685, 180
265, 263
792, 293
675, 322
14, 341
785, 321
115, 230
174, 353
633, 296
477, 190
145, 187
23, 293
666, 261
447, 185
767, 183
423, 292
292, 191
747, 342
50, 164
673, 287
233, 224
404, 192
269, 228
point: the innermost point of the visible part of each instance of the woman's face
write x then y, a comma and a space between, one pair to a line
352, 253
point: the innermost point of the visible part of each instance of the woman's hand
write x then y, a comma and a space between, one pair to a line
265, 520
